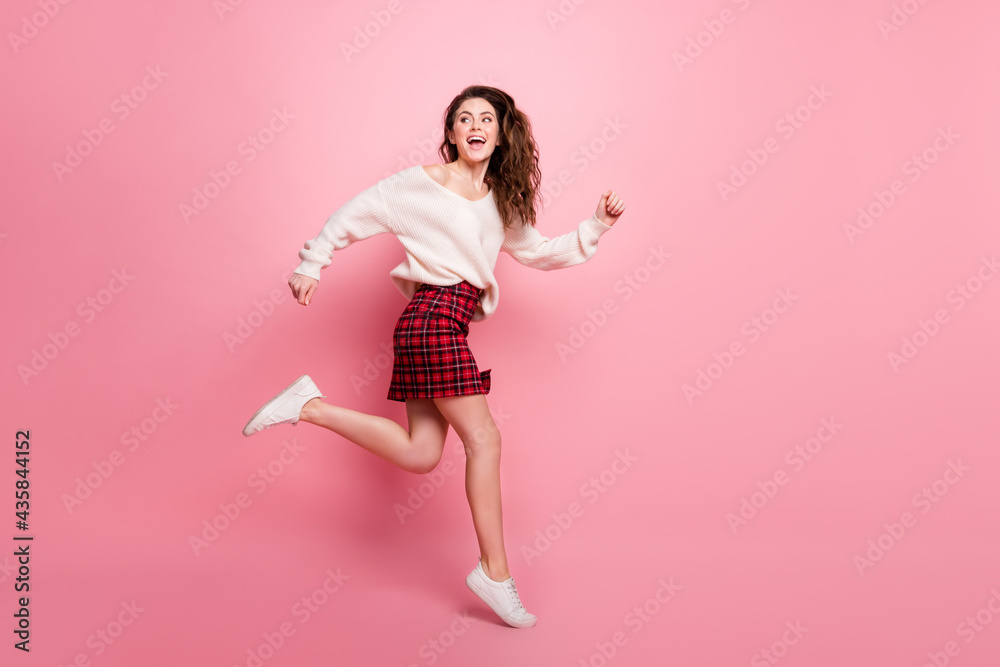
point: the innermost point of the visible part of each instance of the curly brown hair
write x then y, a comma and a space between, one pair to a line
513, 174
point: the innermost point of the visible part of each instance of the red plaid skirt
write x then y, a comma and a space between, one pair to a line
431, 356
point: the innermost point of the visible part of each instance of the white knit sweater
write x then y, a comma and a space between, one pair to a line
447, 238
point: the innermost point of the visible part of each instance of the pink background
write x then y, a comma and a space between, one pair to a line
664, 134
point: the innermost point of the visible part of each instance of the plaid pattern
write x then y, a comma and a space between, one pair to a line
431, 357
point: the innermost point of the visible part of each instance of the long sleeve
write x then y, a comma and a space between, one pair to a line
526, 245
446, 238
364, 216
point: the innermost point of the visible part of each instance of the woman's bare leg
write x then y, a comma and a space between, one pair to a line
417, 450
470, 417
420, 449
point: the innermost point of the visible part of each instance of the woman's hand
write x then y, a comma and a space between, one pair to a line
302, 287
610, 208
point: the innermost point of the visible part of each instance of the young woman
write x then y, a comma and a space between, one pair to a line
453, 219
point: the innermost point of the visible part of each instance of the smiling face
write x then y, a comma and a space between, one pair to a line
476, 130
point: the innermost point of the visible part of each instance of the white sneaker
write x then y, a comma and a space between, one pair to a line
501, 596
285, 407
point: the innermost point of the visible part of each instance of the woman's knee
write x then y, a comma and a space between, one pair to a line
470, 417
421, 465
425, 455
486, 441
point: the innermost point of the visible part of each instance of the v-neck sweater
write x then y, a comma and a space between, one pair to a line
447, 237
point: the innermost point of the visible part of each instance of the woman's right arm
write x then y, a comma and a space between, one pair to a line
364, 216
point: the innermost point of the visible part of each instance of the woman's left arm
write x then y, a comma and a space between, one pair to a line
525, 244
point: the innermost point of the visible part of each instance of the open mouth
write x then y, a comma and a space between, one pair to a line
476, 143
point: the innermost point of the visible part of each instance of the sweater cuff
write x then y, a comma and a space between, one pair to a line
309, 268
596, 226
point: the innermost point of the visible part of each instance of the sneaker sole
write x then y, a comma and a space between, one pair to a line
268, 408
474, 587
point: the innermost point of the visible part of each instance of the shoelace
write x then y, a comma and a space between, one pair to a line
512, 592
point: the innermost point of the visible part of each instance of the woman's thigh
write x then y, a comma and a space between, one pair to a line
428, 427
